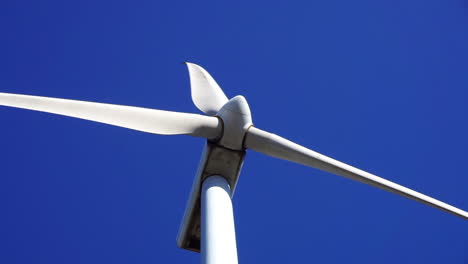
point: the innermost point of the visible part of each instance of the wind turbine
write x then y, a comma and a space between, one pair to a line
208, 225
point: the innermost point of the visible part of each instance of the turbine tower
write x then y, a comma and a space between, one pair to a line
208, 223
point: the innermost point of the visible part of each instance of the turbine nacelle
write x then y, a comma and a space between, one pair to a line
222, 156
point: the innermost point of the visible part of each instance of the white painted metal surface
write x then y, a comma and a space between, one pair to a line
218, 234
137, 118
278, 147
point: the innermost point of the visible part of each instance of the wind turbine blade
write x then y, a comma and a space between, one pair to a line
206, 93
278, 147
137, 118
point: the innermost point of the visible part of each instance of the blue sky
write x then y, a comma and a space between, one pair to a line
381, 85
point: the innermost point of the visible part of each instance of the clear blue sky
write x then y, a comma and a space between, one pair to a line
382, 85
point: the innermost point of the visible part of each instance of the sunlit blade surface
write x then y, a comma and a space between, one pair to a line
206, 93
278, 147
142, 119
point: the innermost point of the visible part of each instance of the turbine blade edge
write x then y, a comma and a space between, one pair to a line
278, 147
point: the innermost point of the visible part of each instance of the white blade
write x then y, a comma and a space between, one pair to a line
142, 119
278, 147
206, 93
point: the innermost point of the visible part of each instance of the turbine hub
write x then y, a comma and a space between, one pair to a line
237, 119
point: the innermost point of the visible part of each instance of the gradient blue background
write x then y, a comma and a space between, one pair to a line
382, 85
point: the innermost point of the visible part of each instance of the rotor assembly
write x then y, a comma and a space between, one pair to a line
207, 225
